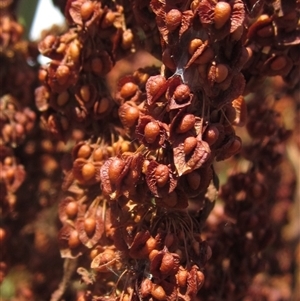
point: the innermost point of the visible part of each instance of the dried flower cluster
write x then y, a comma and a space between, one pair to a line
140, 217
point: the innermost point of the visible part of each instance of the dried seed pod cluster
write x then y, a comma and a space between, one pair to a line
272, 43
138, 205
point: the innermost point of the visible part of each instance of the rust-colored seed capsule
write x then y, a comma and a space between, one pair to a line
74, 241
115, 169
222, 14
62, 98
130, 115
221, 73
84, 151
146, 287
151, 131
167, 263
182, 277
158, 292
62, 74
278, 63
194, 44
72, 209
161, 175
103, 105
182, 92
189, 145
88, 171
194, 180
187, 123
86, 10
173, 19
97, 65
128, 90
211, 134
98, 155
89, 226
85, 93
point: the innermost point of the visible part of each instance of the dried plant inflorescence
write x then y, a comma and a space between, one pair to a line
141, 213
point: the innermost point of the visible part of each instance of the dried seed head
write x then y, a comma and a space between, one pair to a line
194, 180
89, 226
222, 14
187, 123
181, 93
151, 131
88, 171
72, 209
74, 51
86, 10
128, 90
161, 175
173, 19
158, 292
189, 145
115, 169
84, 151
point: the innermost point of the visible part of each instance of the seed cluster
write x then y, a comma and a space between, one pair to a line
141, 214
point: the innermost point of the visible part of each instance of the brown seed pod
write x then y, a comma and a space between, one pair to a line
189, 145
62, 74
146, 287
128, 90
89, 226
161, 175
115, 169
158, 292
181, 277
222, 14
173, 19
211, 134
182, 93
72, 209
151, 131
74, 241
62, 98
193, 45
88, 171
86, 10
187, 123
104, 261
84, 151
129, 114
